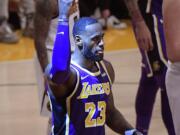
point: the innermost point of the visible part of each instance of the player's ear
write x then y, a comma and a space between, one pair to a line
78, 42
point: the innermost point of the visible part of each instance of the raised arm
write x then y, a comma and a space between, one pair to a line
61, 51
62, 76
142, 33
171, 16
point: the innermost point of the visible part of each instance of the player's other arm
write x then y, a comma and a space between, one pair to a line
41, 23
142, 33
116, 121
114, 118
171, 10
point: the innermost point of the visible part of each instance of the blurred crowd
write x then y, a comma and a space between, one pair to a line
19, 15
16, 14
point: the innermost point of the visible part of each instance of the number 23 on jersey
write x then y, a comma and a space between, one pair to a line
91, 108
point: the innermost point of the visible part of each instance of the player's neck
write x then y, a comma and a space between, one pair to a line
85, 63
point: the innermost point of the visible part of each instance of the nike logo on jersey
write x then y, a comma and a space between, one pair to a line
84, 77
61, 33
103, 74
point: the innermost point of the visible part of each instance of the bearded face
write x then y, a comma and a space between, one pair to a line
93, 45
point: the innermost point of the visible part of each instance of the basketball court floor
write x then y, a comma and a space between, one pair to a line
19, 105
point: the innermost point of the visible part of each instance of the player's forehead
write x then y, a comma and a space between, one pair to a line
94, 29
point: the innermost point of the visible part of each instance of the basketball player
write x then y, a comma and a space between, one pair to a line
80, 87
154, 64
45, 31
44, 36
171, 10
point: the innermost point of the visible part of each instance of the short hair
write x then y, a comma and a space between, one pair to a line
80, 25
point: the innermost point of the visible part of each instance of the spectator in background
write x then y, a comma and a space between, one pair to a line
26, 14
119, 9
100, 9
26, 10
6, 33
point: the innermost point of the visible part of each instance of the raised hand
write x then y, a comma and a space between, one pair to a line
64, 8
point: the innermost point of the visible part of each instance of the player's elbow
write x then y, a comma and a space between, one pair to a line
60, 77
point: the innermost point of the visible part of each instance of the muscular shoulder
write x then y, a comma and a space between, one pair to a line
65, 88
110, 69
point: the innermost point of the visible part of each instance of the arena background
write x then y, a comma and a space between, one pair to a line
19, 105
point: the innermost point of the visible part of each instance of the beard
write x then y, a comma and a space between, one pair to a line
92, 54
